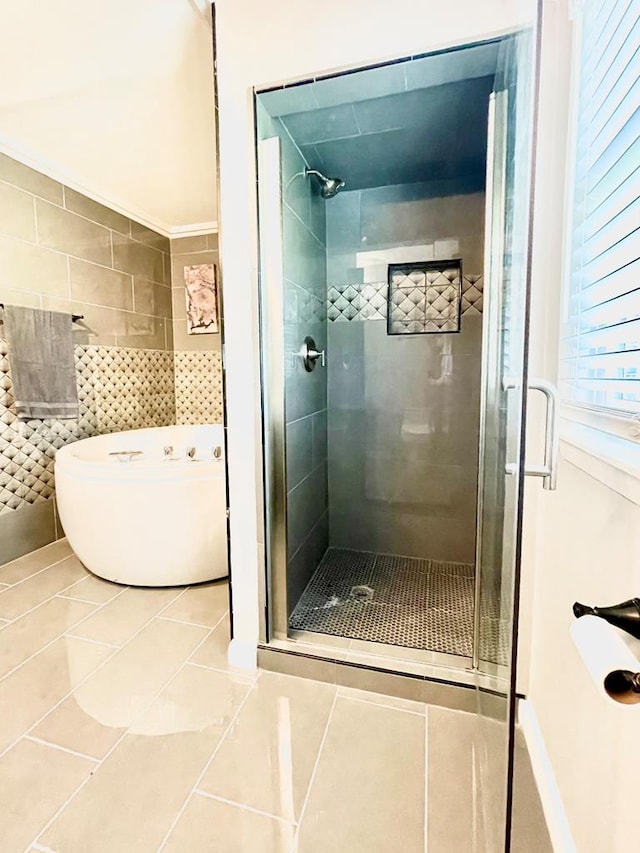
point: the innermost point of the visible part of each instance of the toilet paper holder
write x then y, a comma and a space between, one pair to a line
623, 686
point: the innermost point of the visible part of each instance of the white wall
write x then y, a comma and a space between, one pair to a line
582, 542
114, 98
260, 44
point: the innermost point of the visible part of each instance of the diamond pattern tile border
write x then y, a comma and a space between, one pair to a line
358, 302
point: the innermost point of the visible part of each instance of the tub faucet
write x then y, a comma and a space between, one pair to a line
168, 451
191, 452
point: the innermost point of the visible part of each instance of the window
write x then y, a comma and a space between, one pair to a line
600, 366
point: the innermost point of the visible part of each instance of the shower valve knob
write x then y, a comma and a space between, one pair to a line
191, 452
168, 451
310, 354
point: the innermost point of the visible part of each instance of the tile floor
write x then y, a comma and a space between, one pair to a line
122, 729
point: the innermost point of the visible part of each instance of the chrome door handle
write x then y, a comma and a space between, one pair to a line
549, 469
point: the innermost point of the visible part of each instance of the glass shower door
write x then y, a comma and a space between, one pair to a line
503, 409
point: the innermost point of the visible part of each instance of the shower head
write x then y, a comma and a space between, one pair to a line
328, 186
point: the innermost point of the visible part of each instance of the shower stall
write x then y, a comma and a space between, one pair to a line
393, 208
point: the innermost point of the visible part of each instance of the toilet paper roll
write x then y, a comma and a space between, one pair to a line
604, 649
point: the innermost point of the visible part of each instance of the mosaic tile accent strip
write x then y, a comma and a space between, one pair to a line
199, 398
420, 604
424, 298
118, 389
356, 302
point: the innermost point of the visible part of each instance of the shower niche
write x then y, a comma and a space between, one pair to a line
377, 196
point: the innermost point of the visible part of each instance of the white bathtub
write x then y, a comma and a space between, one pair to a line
143, 519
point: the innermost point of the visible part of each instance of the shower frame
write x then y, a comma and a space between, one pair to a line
273, 615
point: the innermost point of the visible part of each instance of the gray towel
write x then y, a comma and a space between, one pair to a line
42, 365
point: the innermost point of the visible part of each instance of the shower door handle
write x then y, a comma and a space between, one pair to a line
548, 471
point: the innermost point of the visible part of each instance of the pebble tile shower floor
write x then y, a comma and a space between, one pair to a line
419, 604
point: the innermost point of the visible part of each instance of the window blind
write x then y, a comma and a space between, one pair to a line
600, 354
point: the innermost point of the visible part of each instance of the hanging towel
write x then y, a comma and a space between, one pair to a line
42, 365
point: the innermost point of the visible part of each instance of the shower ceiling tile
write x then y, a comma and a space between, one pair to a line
452, 66
291, 99
350, 88
321, 124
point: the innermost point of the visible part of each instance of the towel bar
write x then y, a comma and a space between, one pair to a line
74, 317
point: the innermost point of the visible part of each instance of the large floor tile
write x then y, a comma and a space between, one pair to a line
31, 632
30, 593
35, 781
382, 699
267, 759
368, 792
132, 799
203, 605
125, 686
458, 808
28, 565
29, 692
120, 619
70, 726
207, 825
213, 652
94, 589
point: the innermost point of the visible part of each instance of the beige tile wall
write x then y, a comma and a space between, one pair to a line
61, 250
198, 367
186, 251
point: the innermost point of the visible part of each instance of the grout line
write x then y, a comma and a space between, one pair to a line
200, 793
207, 765
35, 221
124, 734
380, 704
57, 746
93, 642
426, 778
186, 622
39, 847
70, 692
51, 642
39, 571
312, 778
305, 226
82, 600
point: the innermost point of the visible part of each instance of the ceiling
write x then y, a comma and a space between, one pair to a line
114, 97
408, 122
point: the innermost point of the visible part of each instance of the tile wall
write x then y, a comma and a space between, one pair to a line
305, 313
198, 362
403, 410
62, 251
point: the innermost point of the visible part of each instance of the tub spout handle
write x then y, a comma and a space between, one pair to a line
217, 452
168, 451
191, 452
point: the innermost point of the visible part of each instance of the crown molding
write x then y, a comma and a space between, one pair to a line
12, 148
197, 229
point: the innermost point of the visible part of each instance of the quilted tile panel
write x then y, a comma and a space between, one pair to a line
118, 389
424, 297
198, 387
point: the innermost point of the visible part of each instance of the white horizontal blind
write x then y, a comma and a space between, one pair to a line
600, 366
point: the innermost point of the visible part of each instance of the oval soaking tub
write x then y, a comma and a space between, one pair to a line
146, 507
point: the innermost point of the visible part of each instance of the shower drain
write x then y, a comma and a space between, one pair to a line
361, 593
